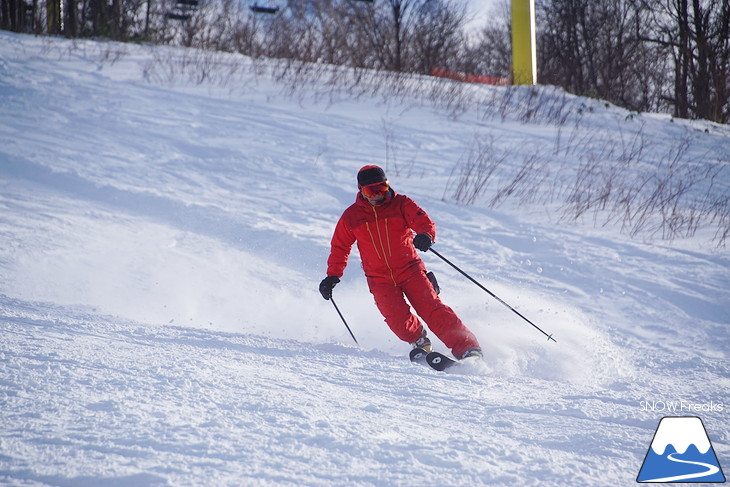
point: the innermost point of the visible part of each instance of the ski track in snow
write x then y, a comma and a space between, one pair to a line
160, 248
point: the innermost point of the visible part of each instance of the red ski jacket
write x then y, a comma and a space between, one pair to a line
384, 236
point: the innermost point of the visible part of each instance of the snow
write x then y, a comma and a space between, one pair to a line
161, 243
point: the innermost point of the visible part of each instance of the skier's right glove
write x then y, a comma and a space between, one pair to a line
325, 287
422, 242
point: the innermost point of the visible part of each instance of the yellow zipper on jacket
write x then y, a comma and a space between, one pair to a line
372, 239
382, 246
387, 237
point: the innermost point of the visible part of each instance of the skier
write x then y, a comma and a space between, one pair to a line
383, 224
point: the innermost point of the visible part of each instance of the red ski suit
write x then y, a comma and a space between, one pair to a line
384, 236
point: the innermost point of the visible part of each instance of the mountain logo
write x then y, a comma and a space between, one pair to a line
680, 452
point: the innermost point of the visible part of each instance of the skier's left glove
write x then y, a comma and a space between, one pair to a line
326, 286
422, 242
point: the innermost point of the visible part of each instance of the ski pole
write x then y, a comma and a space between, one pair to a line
550, 336
343, 319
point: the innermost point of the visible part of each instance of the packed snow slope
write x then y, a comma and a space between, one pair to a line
161, 243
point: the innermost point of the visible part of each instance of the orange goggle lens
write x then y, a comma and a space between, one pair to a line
376, 189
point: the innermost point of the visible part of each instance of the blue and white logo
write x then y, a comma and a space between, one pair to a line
680, 452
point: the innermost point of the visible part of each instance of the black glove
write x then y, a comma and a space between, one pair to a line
325, 287
422, 242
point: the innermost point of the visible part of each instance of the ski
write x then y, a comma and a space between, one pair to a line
418, 355
439, 361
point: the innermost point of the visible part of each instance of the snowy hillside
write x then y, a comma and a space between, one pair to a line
161, 243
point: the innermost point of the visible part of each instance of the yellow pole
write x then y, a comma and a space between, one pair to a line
524, 58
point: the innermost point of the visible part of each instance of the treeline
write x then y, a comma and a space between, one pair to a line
645, 55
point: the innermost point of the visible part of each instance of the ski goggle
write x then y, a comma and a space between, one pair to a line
374, 190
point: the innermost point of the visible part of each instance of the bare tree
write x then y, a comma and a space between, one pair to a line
437, 39
491, 52
590, 48
14, 15
398, 31
695, 34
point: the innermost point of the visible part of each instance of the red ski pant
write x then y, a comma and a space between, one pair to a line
440, 319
